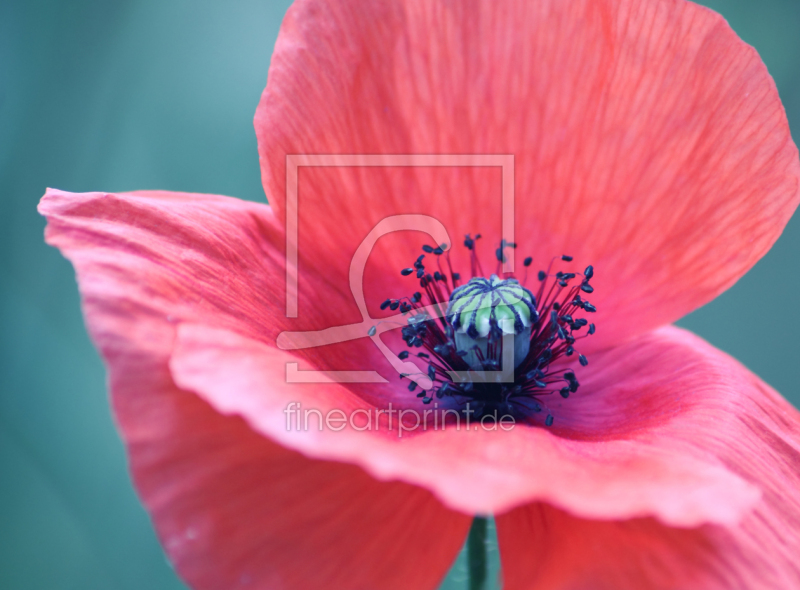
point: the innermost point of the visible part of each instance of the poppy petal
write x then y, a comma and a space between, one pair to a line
666, 426
543, 548
647, 139
231, 508
176, 256
189, 257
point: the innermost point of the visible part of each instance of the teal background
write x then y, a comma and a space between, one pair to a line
124, 95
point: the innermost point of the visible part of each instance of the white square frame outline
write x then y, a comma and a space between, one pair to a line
293, 164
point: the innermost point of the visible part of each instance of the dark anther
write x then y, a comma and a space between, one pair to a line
527, 261
406, 271
431, 372
549, 420
427, 249
442, 349
438, 251
587, 288
403, 355
416, 297
372, 331
589, 272
591, 329
583, 360
542, 275
385, 304
394, 305
566, 258
564, 391
412, 386
589, 307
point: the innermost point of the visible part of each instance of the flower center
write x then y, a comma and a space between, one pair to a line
484, 310
491, 342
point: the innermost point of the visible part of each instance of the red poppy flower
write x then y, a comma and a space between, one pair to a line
647, 140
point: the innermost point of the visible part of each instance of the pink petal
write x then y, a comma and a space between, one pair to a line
647, 139
543, 548
172, 257
666, 426
232, 508
182, 257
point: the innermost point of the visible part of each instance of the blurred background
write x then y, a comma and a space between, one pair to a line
146, 94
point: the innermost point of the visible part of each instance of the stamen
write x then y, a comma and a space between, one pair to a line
461, 328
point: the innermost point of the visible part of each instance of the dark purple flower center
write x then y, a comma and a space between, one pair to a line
461, 330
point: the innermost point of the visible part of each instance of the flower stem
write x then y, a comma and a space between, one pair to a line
476, 553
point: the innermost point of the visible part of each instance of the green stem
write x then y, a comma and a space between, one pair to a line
476, 553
